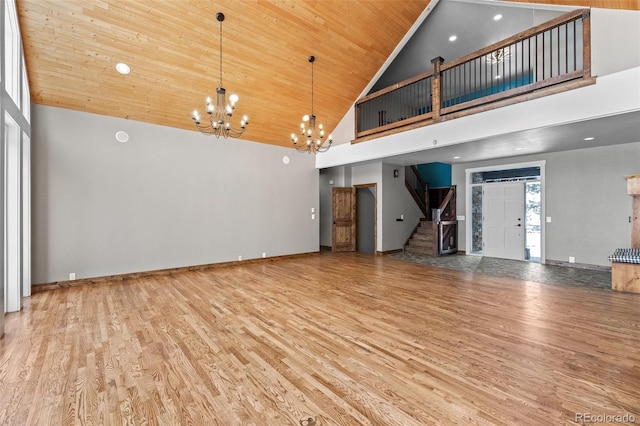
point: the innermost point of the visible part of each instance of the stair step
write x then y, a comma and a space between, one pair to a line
422, 238
421, 230
424, 232
420, 250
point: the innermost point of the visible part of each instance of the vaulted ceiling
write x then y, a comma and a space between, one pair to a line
72, 47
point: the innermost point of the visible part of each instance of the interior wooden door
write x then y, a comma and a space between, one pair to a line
343, 235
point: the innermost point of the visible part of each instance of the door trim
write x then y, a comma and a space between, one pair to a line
468, 230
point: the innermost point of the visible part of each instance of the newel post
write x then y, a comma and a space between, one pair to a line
586, 43
435, 87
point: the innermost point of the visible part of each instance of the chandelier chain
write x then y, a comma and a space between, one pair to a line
221, 51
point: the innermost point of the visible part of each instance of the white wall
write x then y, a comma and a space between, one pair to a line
393, 201
586, 198
167, 198
396, 202
619, 28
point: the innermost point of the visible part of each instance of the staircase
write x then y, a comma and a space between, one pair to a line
424, 240
437, 233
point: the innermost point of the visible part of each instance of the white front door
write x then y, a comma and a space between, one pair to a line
503, 228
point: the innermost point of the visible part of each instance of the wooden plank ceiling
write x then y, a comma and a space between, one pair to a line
72, 47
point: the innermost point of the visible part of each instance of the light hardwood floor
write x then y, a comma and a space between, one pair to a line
345, 338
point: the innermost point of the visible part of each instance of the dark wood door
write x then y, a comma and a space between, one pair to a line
344, 220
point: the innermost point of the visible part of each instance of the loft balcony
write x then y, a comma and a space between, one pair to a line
546, 59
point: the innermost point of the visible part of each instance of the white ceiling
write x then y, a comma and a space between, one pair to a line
472, 23
605, 131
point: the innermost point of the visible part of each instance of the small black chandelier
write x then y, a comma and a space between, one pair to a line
313, 138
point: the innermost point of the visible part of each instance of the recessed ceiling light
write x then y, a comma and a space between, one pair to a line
590, 138
497, 77
123, 68
518, 148
453, 38
457, 157
497, 17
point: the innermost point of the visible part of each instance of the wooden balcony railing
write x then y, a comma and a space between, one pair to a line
550, 54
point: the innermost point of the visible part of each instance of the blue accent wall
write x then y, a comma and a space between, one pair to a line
436, 175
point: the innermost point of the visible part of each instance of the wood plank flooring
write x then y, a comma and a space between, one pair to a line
347, 339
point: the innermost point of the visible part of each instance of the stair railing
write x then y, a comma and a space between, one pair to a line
417, 188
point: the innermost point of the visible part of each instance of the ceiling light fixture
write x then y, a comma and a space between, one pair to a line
453, 38
590, 138
219, 121
498, 56
314, 136
123, 68
497, 17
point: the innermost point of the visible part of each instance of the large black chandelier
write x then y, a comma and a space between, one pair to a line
218, 120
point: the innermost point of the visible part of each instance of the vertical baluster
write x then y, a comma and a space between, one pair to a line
575, 48
503, 75
455, 85
537, 59
483, 79
474, 85
414, 98
544, 55
513, 66
528, 59
558, 37
463, 86
566, 47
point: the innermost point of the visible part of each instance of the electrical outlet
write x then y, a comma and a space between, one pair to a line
239, 258
572, 259
72, 276
264, 255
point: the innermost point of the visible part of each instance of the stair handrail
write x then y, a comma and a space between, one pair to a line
421, 194
419, 176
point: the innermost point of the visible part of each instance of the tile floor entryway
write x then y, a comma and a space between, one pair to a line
522, 270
